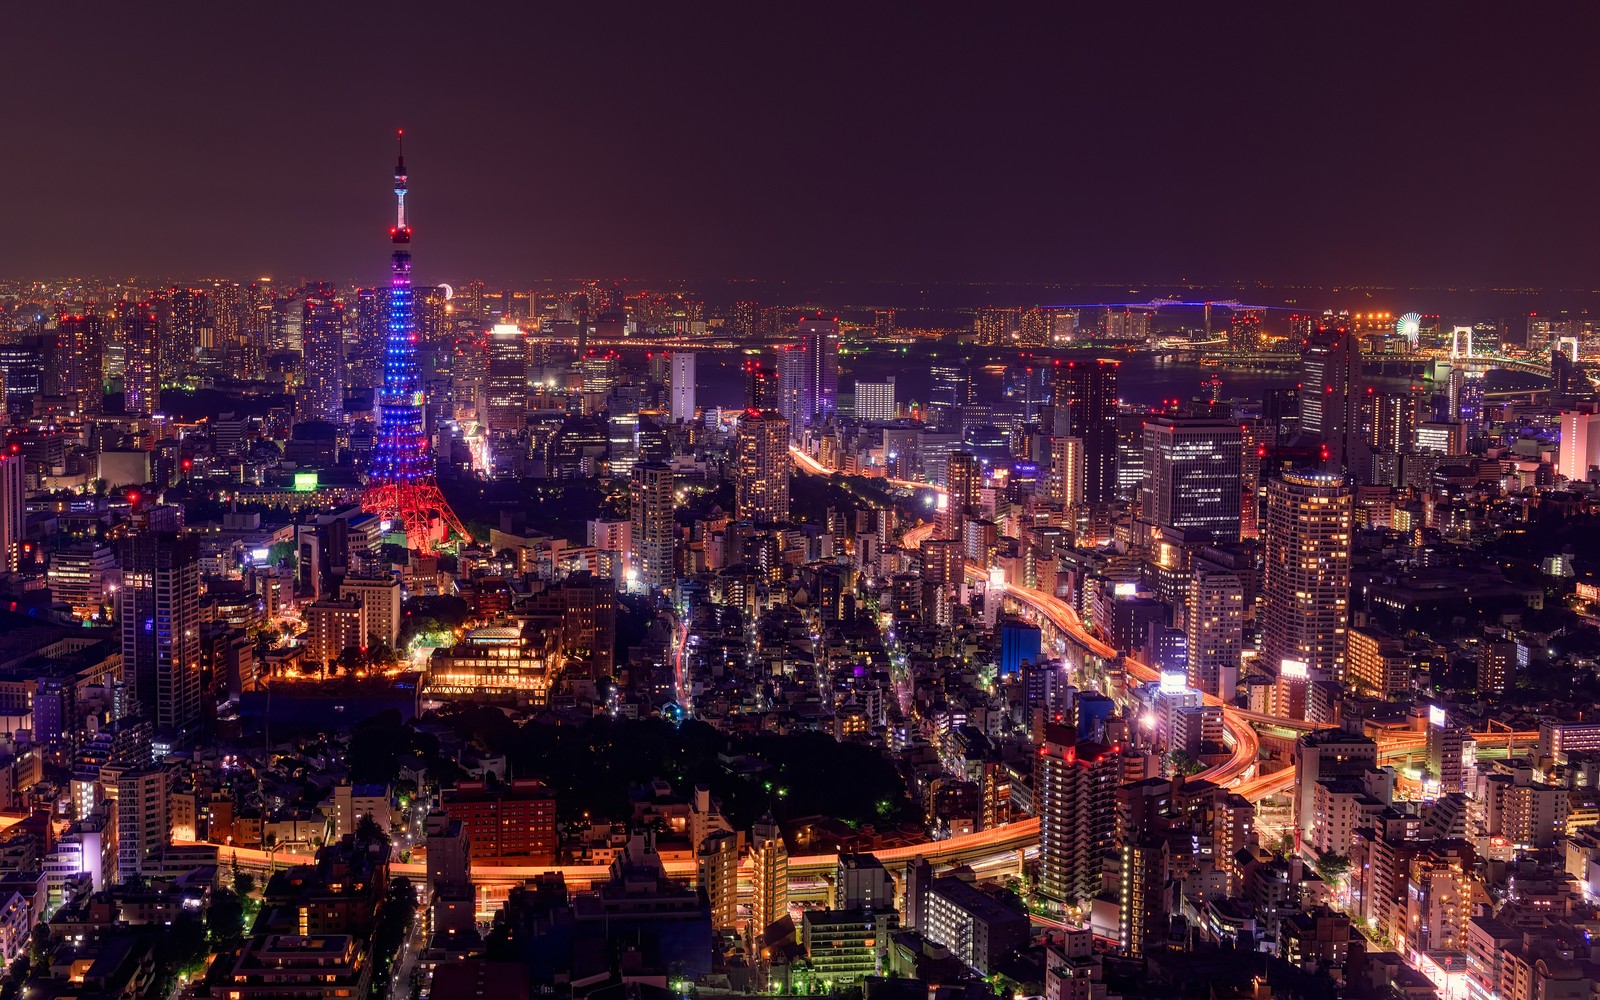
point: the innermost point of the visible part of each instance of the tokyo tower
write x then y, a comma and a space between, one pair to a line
401, 487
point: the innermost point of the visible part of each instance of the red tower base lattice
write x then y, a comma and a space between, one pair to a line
423, 510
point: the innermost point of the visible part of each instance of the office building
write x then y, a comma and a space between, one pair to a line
1331, 393
506, 384
761, 470
1086, 393
158, 614
1306, 583
875, 401
449, 858
516, 821
1447, 748
681, 390
333, 626
380, 602
1192, 474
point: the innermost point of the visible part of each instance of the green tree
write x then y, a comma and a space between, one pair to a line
1331, 866
225, 917
349, 660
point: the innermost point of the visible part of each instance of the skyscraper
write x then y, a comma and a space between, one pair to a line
13, 511
83, 343
651, 506
506, 388
1086, 391
188, 328
760, 387
682, 387
1192, 474
1067, 471
795, 399
322, 339
139, 329
761, 472
819, 338
1075, 799
1306, 581
158, 613
1330, 393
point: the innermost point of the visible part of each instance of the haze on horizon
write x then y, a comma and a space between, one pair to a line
1429, 145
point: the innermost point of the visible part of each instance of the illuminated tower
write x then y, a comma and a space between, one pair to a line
401, 487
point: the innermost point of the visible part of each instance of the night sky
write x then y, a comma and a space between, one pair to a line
1406, 145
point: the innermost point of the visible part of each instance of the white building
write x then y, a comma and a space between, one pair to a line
682, 388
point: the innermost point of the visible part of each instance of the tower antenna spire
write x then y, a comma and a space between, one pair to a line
401, 487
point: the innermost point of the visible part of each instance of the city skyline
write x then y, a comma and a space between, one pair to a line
636, 639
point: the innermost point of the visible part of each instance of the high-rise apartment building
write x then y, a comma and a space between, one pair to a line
158, 613
717, 865
652, 501
819, 338
795, 399
1067, 471
681, 390
769, 863
144, 817
1086, 391
322, 339
83, 347
1075, 786
188, 329
1192, 474
1214, 630
1306, 584
761, 470
1333, 753
141, 351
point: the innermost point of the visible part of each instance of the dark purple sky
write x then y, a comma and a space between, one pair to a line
1395, 144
